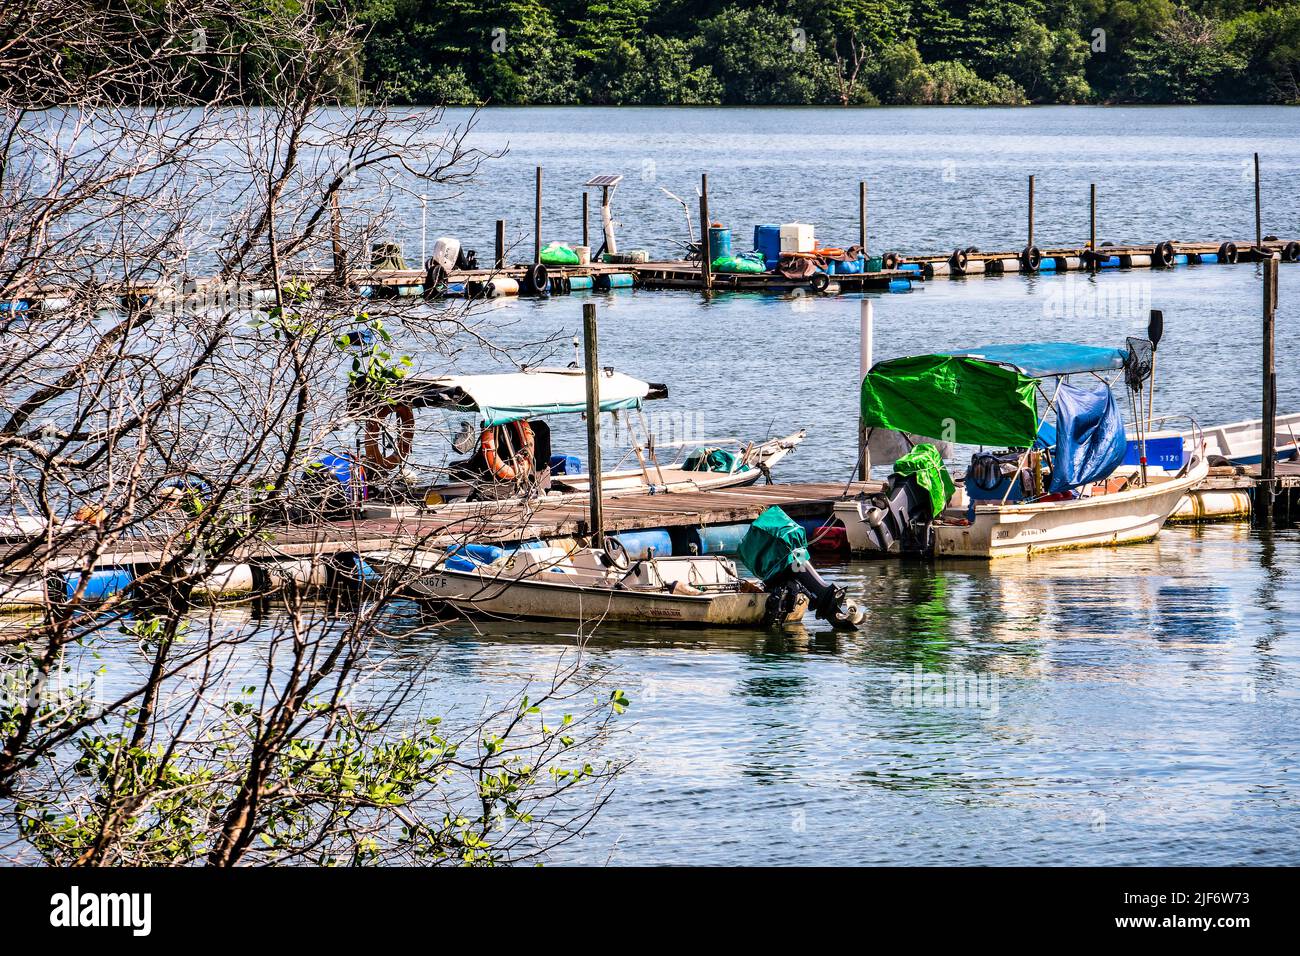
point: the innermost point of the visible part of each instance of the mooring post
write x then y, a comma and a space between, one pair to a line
537, 220
336, 238
1092, 217
1259, 218
500, 259
1264, 491
424, 230
862, 217
866, 343
593, 422
706, 253
1031, 213
585, 230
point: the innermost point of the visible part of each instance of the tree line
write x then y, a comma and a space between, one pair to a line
847, 52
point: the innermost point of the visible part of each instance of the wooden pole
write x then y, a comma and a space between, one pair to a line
537, 220
1092, 217
501, 245
862, 217
586, 234
1031, 212
706, 254
866, 344
1259, 218
336, 238
597, 521
1268, 441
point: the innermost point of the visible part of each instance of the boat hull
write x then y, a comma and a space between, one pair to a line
483, 595
1125, 517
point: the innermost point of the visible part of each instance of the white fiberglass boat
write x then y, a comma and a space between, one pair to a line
1061, 483
511, 458
1241, 443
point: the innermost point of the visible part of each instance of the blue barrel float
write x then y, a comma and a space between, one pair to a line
638, 544
100, 585
580, 283
614, 280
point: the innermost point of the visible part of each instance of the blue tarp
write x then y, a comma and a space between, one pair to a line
1090, 439
1041, 359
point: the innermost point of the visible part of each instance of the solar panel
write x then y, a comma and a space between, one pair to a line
609, 179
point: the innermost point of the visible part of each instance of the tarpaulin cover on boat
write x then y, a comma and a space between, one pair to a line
1041, 359
1090, 439
772, 543
510, 396
924, 463
958, 399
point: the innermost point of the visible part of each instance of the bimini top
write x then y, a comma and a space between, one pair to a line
510, 396
1043, 359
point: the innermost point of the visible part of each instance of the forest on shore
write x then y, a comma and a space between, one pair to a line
845, 52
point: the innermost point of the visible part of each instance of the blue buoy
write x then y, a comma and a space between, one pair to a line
1180, 259
614, 280
900, 285
1209, 257
1047, 265
1111, 262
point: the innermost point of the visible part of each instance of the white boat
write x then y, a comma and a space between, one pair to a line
1241, 442
1061, 484
591, 585
510, 453
1131, 513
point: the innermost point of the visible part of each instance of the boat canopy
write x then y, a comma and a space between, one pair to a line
956, 399
1090, 440
1045, 359
510, 396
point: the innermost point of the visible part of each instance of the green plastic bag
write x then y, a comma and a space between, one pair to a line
925, 463
558, 254
711, 459
772, 544
741, 264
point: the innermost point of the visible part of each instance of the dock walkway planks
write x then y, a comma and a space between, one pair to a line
507, 522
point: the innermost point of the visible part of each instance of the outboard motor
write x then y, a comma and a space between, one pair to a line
776, 549
899, 520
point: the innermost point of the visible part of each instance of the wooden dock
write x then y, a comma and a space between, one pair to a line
501, 522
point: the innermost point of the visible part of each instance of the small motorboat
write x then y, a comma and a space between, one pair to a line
1061, 481
509, 450
596, 584
1240, 443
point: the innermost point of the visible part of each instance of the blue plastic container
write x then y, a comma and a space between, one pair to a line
1180, 259
719, 242
851, 267
1047, 265
474, 554
565, 465
101, 584
900, 285
910, 267
580, 283
1112, 262
722, 538
767, 240
345, 473
1209, 257
639, 543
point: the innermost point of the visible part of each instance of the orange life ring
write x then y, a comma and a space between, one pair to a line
405, 435
521, 464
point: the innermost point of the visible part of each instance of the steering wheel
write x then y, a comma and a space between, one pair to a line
616, 551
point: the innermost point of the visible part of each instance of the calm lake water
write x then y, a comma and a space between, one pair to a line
1136, 706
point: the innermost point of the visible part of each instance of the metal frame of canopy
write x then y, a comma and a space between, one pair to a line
484, 393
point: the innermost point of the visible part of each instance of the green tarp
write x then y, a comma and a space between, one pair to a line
925, 463
772, 544
960, 400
